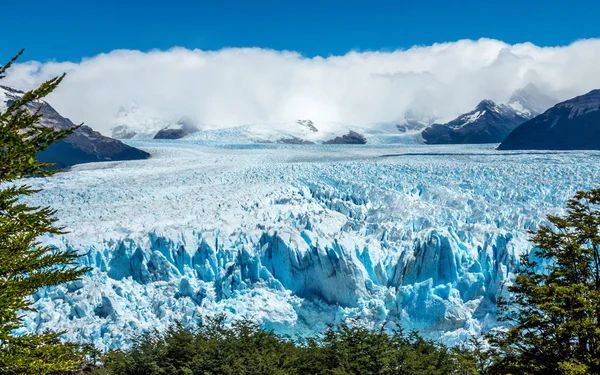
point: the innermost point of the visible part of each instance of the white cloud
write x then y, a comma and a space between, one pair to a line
239, 86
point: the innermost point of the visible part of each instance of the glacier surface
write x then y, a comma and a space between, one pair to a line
296, 237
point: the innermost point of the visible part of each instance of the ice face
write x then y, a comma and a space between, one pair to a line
296, 237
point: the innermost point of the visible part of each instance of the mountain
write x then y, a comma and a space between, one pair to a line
530, 101
416, 120
488, 123
491, 122
292, 132
183, 127
83, 146
135, 122
570, 125
410, 125
306, 132
352, 138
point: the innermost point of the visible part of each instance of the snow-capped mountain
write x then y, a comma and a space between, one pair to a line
133, 121
311, 132
530, 101
83, 146
571, 125
293, 132
490, 122
140, 123
181, 128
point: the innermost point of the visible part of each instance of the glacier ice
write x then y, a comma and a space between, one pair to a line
296, 237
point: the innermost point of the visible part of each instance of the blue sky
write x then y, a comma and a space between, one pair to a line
69, 30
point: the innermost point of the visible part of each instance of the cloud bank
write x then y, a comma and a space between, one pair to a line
249, 85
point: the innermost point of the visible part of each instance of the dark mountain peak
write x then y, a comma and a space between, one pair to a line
83, 146
592, 98
581, 105
352, 138
181, 128
12, 90
487, 123
485, 104
571, 125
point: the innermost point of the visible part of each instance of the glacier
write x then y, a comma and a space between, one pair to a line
296, 237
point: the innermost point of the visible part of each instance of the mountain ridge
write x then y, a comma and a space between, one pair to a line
570, 125
490, 122
85, 145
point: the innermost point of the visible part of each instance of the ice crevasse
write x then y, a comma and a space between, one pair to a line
297, 239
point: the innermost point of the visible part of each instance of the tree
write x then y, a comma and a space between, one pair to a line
555, 305
246, 349
25, 264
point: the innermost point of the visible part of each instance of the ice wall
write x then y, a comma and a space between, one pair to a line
299, 237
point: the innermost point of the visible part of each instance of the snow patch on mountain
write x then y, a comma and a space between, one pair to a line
9, 94
469, 118
5, 96
307, 132
529, 101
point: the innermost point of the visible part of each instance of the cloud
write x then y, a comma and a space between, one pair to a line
250, 85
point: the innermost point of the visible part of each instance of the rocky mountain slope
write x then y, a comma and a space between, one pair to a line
352, 138
490, 122
182, 128
83, 146
570, 125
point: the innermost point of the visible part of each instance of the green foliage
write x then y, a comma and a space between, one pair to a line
25, 264
245, 349
555, 313
351, 349
211, 348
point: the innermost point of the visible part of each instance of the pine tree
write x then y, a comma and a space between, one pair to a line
25, 264
555, 308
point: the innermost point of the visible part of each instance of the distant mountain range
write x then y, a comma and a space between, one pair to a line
571, 125
490, 122
524, 117
135, 122
83, 146
291, 132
